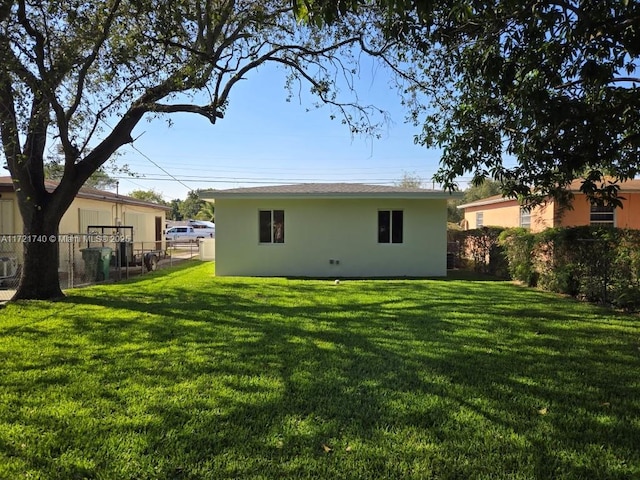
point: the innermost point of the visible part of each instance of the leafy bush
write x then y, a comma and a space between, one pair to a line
481, 249
455, 247
597, 264
625, 271
555, 260
517, 244
593, 263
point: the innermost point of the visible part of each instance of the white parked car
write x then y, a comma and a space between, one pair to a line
189, 234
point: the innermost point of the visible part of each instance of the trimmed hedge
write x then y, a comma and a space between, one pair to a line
593, 263
600, 265
481, 249
517, 244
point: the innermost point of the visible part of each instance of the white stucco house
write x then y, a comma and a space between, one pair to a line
330, 230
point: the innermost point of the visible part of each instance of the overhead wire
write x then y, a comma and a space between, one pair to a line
136, 149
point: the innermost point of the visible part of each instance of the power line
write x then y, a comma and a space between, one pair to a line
254, 181
283, 169
243, 181
279, 179
154, 163
133, 146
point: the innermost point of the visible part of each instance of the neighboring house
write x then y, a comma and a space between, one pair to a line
331, 230
505, 212
92, 207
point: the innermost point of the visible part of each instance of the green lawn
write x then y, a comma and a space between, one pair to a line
179, 374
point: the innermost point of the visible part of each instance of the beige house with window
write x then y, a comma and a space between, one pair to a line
91, 207
504, 212
330, 230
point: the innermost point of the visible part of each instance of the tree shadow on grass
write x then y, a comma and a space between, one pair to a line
393, 379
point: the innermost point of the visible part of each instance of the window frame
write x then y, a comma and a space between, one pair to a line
480, 219
275, 216
392, 234
602, 211
525, 213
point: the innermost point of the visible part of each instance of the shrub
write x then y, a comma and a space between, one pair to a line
592, 263
455, 246
555, 261
625, 271
517, 244
481, 246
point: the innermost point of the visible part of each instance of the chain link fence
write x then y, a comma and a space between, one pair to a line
89, 259
10, 267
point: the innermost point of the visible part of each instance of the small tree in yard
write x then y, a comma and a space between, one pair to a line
175, 210
84, 74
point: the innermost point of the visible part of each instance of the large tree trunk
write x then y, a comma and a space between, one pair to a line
39, 278
42, 210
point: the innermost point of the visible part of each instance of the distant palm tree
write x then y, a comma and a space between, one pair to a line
207, 212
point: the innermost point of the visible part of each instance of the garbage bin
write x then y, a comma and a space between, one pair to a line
96, 263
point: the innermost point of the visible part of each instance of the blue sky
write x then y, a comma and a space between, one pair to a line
264, 139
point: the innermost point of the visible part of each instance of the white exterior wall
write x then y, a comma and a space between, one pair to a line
318, 230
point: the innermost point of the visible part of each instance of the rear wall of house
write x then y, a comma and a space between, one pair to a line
507, 215
543, 217
504, 214
626, 217
318, 232
85, 212
82, 213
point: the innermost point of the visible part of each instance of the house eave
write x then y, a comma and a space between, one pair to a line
122, 200
335, 191
333, 196
6, 186
481, 203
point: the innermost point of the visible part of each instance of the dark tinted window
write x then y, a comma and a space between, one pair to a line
396, 226
384, 226
390, 226
265, 226
271, 226
602, 215
278, 226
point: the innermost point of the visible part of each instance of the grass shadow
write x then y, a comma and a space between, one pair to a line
184, 375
